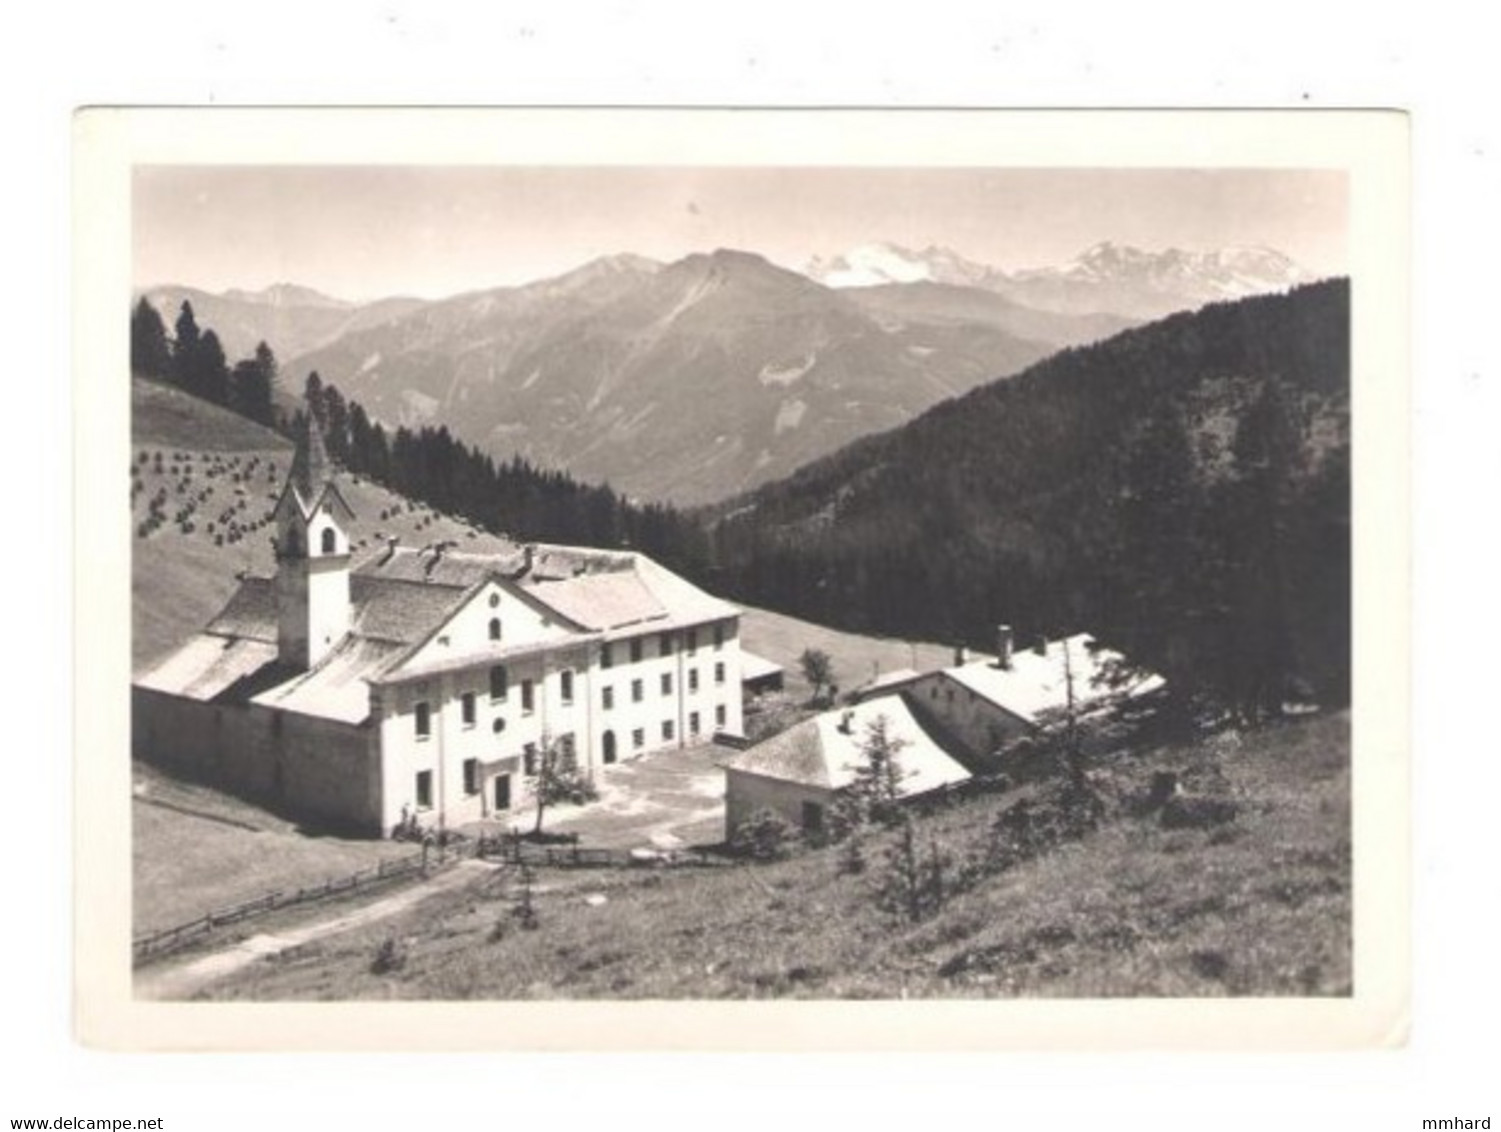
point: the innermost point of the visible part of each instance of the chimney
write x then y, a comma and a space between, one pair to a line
528, 558
846, 722
1041, 647
961, 656
1003, 643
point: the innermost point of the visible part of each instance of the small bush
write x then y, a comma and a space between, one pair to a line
764, 836
390, 956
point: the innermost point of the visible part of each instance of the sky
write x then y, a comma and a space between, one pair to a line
365, 232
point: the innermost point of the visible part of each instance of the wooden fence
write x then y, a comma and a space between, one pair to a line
504, 849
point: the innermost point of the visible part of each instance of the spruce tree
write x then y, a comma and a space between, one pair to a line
185, 346
150, 351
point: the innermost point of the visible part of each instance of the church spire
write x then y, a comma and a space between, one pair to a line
311, 465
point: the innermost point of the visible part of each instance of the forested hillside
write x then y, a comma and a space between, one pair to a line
1181, 489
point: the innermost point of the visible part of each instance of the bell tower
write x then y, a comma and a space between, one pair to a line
312, 554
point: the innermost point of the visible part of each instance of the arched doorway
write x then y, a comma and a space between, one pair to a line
609, 746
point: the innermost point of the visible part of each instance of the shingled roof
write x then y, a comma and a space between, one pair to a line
1035, 685
825, 751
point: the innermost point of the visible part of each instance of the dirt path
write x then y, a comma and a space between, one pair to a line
185, 979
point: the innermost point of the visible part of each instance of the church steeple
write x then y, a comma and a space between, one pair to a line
312, 554
311, 466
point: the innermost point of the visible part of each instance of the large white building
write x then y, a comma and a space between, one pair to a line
427, 681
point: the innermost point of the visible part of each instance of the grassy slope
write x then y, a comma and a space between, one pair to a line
223, 851
856, 658
180, 579
1259, 906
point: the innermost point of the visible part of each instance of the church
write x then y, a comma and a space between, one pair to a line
428, 681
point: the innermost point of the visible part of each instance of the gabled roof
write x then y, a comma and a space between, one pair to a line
1035, 685
403, 597
614, 600
753, 667
823, 752
207, 665
337, 687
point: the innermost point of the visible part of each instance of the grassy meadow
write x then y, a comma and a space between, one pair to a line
1258, 905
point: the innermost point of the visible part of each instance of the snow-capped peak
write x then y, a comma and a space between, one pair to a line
874, 264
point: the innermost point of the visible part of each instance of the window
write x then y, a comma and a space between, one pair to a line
719, 672
568, 755
498, 682
692, 641
606, 656
529, 759
526, 695
607, 698
466, 711
719, 636
667, 731
495, 628
693, 679
638, 738
667, 683
424, 789
664, 645
471, 776
719, 716
565, 679
693, 728
635, 650
637, 691
494, 600
424, 721
294, 542
330, 540
498, 726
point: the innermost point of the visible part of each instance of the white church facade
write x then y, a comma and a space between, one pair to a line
428, 681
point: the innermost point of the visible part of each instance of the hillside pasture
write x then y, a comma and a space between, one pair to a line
1256, 906
856, 658
212, 479
195, 849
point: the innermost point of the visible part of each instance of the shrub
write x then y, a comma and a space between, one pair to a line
764, 836
390, 956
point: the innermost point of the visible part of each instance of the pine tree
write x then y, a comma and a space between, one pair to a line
185, 346
209, 370
150, 351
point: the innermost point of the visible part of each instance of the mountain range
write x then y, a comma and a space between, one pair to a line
1106, 278
695, 380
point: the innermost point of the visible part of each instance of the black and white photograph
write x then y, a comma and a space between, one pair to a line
741, 581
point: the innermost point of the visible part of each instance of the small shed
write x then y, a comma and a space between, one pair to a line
799, 773
759, 675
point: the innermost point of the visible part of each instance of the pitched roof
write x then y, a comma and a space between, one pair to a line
1036, 684
207, 665
400, 599
337, 686
822, 752
431, 566
753, 667
601, 601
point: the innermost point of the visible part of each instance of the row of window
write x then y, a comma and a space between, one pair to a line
666, 642
499, 690
567, 753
